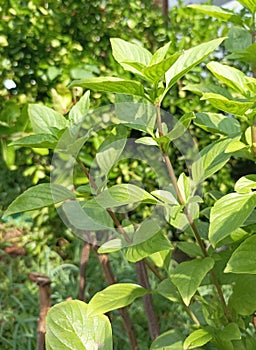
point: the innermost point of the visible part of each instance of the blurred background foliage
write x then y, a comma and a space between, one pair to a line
43, 46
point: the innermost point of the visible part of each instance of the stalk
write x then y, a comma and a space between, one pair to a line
253, 127
192, 224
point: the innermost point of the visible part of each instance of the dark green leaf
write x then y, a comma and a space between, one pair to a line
170, 340
243, 297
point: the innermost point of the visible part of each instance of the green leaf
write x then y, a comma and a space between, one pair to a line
229, 213
111, 149
111, 246
190, 248
243, 297
218, 12
168, 290
250, 4
139, 116
91, 217
166, 196
188, 60
230, 76
246, 184
198, 338
38, 197
230, 332
238, 39
170, 340
69, 327
111, 84
155, 71
123, 194
247, 55
114, 297
212, 158
80, 109
146, 241
218, 123
37, 141
201, 88
180, 126
43, 118
243, 260
124, 51
146, 140
160, 54
188, 276
230, 106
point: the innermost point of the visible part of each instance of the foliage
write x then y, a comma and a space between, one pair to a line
139, 221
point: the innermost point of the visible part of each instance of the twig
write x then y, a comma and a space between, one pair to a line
82, 273
43, 283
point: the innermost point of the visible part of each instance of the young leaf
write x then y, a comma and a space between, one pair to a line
218, 123
160, 54
246, 184
198, 338
80, 109
243, 260
250, 4
188, 276
170, 340
111, 246
123, 194
230, 76
38, 197
218, 12
43, 118
111, 84
229, 213
69, 327
230, 106
188, 60
114, 297
124, 51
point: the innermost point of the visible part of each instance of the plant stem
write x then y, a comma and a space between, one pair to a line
82, 273
192, 224
148, 300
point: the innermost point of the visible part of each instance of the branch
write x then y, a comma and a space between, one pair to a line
82, 273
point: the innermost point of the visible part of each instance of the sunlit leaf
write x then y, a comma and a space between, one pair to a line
218, 12
246, 184
198, 338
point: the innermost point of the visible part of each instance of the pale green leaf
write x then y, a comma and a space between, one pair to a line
160, 54
69, 327
37, 141
170, 340
229, 213
111, 84
80, 109
90, 217
146, 140
198, 338
188, 276
218, 123
230, 106
114, 297
189, 59
111, 246
138, 251
250, 4
123, 194
155, 71
110, 150
124, 51
243, 260
38, 197
43, 118
243, 297
168, 290
230, 76
212, 158
166, 196
246, 184
218, 12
